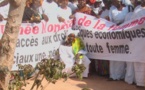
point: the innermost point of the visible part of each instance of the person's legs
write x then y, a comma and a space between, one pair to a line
139, 73
117, 70
130, 75
102, 67
86, 63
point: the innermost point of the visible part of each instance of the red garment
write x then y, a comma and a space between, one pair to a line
85, 10
92, 1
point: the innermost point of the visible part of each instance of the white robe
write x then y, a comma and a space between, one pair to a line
126, 2
130, 74
138, 66
86, 61
67, 56
49, 9
117, 68
73, 6
64, 13
118, 16
139, 73
105, 13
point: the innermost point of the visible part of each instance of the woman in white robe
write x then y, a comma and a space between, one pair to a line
67, 56
139, 67
117, 15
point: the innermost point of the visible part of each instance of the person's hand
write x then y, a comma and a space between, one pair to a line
71, 16
60, 19
97, 16
45, 17
107, 18
1, 18
77, 56
35, 19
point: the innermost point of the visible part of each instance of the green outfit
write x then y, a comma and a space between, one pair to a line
77, 45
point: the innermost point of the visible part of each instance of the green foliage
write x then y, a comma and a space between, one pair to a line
19, 77
85, 89
50, 69
78, 69
4, 69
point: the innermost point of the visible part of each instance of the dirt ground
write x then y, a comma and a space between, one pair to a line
94, 82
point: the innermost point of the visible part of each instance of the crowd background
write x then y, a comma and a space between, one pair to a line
116, 11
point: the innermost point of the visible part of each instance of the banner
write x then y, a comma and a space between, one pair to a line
37, 41
103, 39
106, 41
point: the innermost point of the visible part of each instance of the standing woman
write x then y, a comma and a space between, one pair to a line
96, 7
130, 74
102, 66
117, 15
83, 8
49, 11
105, 9
139, 67
64, 12
31, 12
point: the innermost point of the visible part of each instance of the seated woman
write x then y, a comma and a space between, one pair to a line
71, 50
80, 53
66, 54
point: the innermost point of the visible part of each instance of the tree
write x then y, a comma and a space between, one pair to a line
9, 39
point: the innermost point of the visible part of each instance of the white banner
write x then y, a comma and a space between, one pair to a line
37, 41
105, 40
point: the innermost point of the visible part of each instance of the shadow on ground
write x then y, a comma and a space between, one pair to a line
95, 82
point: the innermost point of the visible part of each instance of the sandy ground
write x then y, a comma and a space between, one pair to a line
94, 82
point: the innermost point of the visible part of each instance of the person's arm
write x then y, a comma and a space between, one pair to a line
60, 19
59, 16
44, 17
71, 14
1, 18
110, 15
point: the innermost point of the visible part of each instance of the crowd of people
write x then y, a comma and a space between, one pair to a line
116, 11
